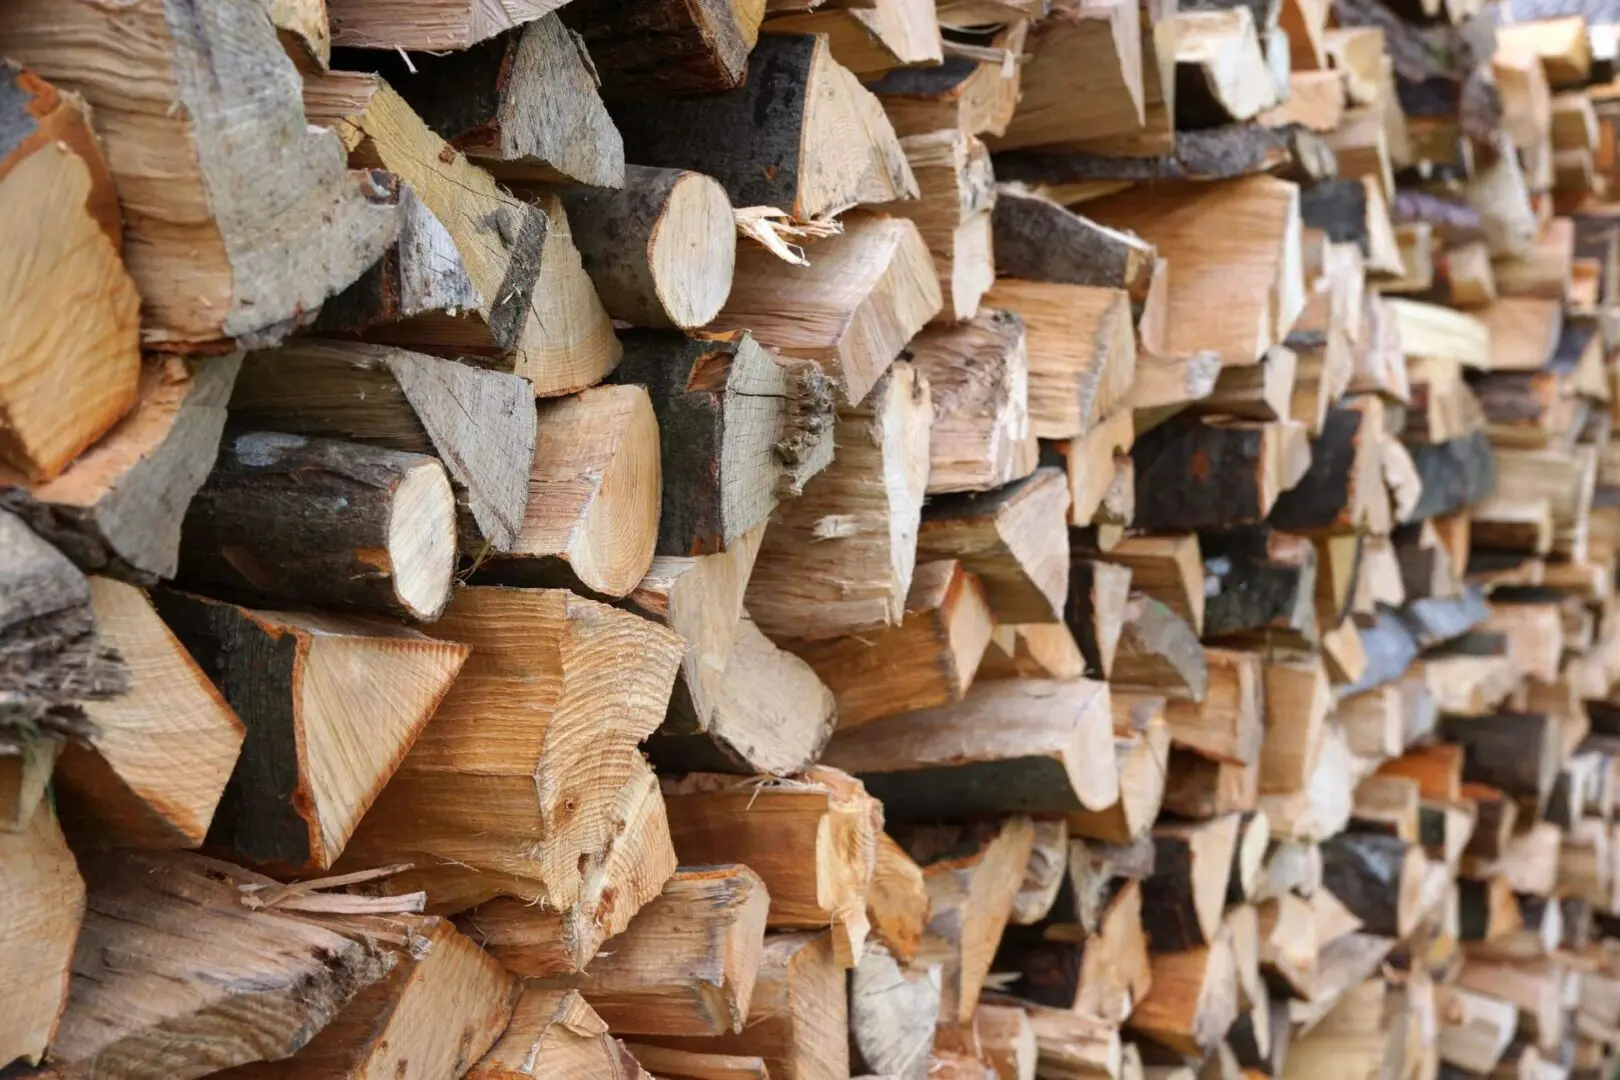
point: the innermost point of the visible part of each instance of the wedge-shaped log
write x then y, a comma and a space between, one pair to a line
1298, 699
1101, 975
839, 558
1141, 756
113, 510
69, 374
668, 48
42, 900
1238, 483
330, 704
972, 873
852, 309
812, 839
1229, 723
952, 211
1169, 569
1013, 538
1261, 584
523, 104
825, 148
1084, 78
893, 1014
695, 1064
1518, 753
1094, 614
893, 34
1019, 745
318, 521
428, 26
738, 430
1038, 239
528, 783
444, 1004
1379, 878
798, 1021
1159, 653
978, 374
231, 240
684, 966
595, 489
154, 993
1221, 72
1182, 901
1194, 999
479, 423
553, 1033
928, 659
1044, 876
897, 901
153, 771
1082, 351
1031, 650
1342, 488
660, 248
538, 315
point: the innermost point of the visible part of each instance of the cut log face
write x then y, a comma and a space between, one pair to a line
330, 704
526, 773
839, 558
441, 25
829, 148
1194, 999
42, 901
667, 49
442, 1007
320, 521
852, 309
952, 212
153, 772
1141, 757
1019, 745
798, 1022
552, 1033
68, 377
929, 659
812, 840
1379, 879
113, 510
479, 423
523, 104
1159, 653
296, 226
972, 874
739, 429
1031, 650
1013, 538
695, 1064
897, 901
893, 1014
1047, 870
158, 992
1183, 900
684, 966
660, 249
1228, 724
978, 374
594, 495
1095, 611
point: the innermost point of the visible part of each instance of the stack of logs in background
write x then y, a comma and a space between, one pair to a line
725, 539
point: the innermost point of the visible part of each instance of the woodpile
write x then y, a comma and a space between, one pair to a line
904, 539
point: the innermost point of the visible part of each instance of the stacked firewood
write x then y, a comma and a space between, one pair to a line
950, 539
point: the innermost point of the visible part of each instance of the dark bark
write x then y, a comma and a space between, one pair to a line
1515, 752
1364, 871
1339, 209
1036, 239
652, 48
1192, 475
1326, 497
1455, 221
1454, 474
1219, 153
1248, 593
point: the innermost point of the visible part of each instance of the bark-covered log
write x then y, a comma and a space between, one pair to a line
1197, 475
658, 48
1259, 583
1454, 474
1220, 153
1379, 878
1518, 753
1037, 239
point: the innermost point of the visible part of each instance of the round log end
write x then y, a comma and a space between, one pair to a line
422, 540
612, 552
692, 251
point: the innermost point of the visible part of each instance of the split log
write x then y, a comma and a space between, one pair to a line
839, 558
1013, 538
972, 874
1049, 750
1099, 975
1221, 74
1343, 488
1298, 698
1083, 79
893, 1013
660, 248
538, 315
70, 375
479, 423
1082, 351
1238, 482
897, 901
928, 660
304, 685
1263, 392
152, 772
1159, 652
440, 1009
155, 995
522, 104
769, 713
1379, 878
1047, 871
1031, 650
978, 375
1260, 584
1518, 753
952, 212
798, 1022
685, 965
1454, 474
449, 25
594, 495
1183, 900
1228, 152
696, 1065
1037, 239
42, 899
1095, 613
349, 526
666, 49
1141, 758
796, 157
896, 33
739, 429
114, 510
1167, 568
553, 1033
1072, 1046
1228, 724
296, 226
811, 839
851, 310
1194, 999
566, 814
